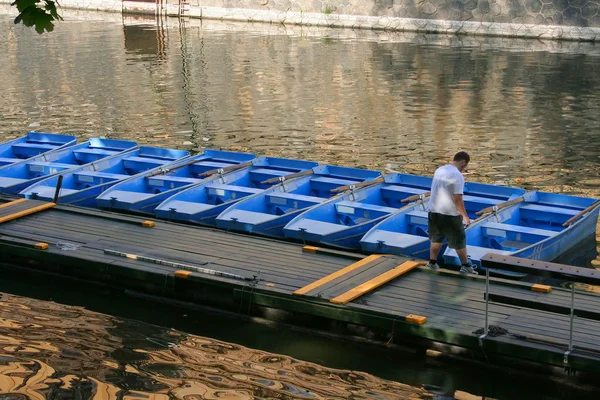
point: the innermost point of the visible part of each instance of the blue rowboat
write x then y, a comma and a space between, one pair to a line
143, 192
203, 202
405, 232
267, 212
16, 177
81, 185
343, 220
542, 227
31, 145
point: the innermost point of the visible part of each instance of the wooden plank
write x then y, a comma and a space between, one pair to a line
425, 281
447, 313
354, 278
542, 268
544, 306
359, 264
376, 282
432, 303
144, 237
185, 257
12, 203
339, 253
317, 262
529, 325
477, 321
26, 212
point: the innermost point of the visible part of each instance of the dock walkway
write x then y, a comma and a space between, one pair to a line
392, 296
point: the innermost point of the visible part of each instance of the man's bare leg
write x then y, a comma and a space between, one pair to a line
434, 250
462, 254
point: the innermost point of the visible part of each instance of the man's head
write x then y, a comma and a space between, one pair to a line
461, 160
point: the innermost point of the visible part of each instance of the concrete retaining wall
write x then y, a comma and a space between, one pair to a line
577, 20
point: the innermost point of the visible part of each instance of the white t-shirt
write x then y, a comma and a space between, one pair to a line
447, 181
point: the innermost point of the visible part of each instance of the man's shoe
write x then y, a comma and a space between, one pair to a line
468, 269
433, 267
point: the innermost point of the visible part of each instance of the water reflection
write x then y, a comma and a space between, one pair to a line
52, 351
529, 117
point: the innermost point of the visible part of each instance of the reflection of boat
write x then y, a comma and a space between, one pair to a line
143, 192
16, 177
405, 232
203, 202
541, 228
267, 212
31, 145
80, 186
343, 220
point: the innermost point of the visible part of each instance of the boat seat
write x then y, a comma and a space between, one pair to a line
6, 182
90, 154
292, 200
399, 192
203, 166
47, 192
315, 228
248, 217
417, 217
39, 168
26, 149
496, 229
139, 164
476, 252
326, 183
262, 174
548, 209
350, 208
170, 181
210, 164
7, 160
487, 201
396, 239
127, 197
183, 208
229, 192
97, 177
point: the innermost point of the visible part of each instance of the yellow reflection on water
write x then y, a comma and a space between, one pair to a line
70, 351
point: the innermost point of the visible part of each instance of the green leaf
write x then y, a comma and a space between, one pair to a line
38, 13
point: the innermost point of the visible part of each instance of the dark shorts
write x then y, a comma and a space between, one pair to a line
447, 227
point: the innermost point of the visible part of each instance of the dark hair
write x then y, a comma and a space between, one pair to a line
462, 155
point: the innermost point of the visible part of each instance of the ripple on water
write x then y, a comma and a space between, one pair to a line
69, 351
401, 106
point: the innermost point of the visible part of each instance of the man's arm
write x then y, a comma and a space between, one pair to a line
460, 206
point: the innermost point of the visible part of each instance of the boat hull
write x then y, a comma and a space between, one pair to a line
550, 246
205, 201
143, 193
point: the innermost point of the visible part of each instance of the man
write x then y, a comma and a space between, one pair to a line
447, 212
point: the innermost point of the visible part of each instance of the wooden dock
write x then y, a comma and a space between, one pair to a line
390, 297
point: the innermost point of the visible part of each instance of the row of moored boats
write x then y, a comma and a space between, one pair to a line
343, 207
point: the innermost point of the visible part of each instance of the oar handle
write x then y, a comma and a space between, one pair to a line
226, 169
480, 218
358, 185
415, 197
590, 208
287, 177
500, 206
163, 170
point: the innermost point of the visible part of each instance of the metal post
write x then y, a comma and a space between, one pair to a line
572, 316
487, 299
58, 186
